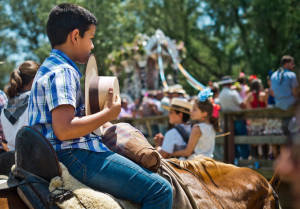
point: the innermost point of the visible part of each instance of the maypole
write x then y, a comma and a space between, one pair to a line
162, 40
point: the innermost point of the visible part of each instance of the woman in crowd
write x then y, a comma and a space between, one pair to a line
15, 113
257, 97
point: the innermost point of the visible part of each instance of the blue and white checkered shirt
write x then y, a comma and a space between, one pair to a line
57, 82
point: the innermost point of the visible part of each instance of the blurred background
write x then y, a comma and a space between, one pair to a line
213, 37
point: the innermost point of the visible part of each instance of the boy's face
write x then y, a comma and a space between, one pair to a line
85, 45
174, 118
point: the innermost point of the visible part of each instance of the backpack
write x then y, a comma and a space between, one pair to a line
185, 136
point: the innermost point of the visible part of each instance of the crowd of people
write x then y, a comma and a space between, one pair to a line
242, 93
194, 120
245, 92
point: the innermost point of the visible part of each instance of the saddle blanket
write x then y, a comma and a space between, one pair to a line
89, 198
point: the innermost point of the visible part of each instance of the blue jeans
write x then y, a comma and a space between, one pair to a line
114, 174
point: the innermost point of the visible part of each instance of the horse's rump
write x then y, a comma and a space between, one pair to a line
232, 186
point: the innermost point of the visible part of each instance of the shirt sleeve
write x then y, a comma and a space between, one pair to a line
60, 89
294, 81
237, 98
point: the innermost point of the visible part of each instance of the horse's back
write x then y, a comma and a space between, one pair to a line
233, 187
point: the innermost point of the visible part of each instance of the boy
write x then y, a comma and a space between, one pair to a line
55, 109
179, 115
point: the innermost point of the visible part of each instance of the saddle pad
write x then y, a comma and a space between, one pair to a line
3, 181
88, 197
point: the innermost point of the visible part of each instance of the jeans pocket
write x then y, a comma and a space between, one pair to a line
73, 162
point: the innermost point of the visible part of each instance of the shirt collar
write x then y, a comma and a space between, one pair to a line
62, 55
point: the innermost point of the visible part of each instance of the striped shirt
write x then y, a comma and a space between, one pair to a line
57, 82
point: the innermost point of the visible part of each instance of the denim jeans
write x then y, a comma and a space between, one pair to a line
114, 174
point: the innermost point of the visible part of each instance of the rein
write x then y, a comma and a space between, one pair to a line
191, 172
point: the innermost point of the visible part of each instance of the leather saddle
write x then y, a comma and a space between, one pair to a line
35, 154
36, 164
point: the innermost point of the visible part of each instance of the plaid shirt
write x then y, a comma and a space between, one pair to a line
57, 82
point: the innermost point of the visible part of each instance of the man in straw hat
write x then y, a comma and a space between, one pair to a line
230, 100
177, 137
55, 109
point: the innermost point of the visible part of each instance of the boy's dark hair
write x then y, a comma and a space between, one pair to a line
286, 59
185, 116
64, 18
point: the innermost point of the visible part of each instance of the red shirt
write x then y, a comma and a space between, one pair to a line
256, 103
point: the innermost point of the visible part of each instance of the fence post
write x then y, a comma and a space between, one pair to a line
229, 148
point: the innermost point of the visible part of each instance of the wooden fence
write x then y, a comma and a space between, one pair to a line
229, 141
260, 113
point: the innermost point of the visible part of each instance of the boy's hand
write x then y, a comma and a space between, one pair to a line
113, 104
158, 139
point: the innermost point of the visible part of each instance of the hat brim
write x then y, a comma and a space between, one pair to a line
168, 108
91, 71
226, 82
102, 85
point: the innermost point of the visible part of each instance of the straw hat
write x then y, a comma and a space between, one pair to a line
179, 104
177, 88
96, 89
226, 80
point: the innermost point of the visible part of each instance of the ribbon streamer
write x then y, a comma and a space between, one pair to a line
161, 67
191, 80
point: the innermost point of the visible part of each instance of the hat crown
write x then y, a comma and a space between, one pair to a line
177, 102
226, 80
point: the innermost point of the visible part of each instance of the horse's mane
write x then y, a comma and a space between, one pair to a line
199, 166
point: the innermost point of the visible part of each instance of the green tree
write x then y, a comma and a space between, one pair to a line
8, 45
221, 37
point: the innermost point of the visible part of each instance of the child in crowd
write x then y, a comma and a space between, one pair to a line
177, 137
15, 113
202, 139
55, 109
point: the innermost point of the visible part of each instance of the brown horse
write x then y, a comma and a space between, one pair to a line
232, 186
212, 183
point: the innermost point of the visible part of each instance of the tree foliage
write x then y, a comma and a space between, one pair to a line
221, 37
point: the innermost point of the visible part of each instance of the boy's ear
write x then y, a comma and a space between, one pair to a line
180, 114
74, 36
